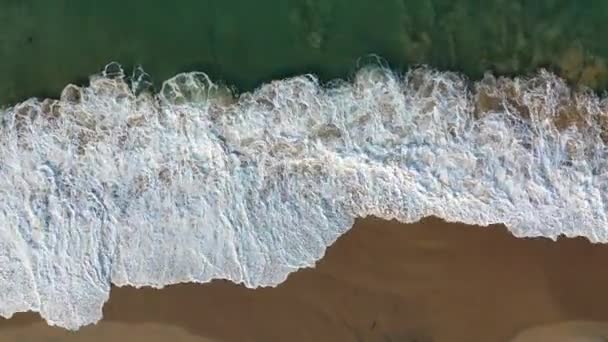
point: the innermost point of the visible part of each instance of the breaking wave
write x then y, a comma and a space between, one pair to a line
110, 184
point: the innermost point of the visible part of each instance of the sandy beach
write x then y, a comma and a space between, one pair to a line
382, 281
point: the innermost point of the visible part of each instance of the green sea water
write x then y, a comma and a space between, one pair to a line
45, 44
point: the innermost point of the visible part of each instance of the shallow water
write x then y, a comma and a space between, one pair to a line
43, 47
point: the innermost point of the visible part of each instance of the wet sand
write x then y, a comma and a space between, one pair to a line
382, 281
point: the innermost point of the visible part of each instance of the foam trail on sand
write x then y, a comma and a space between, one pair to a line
192, 184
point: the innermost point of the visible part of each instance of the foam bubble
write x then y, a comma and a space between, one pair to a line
111, 184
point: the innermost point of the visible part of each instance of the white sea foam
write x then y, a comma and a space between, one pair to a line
104, 186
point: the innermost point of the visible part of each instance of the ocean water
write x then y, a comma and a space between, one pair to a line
45, 46
113, 185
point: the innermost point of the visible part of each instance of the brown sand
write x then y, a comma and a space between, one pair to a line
566, 331
104, 332
382, 281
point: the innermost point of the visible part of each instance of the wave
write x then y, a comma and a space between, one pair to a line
113, 185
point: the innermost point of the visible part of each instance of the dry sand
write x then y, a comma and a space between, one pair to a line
382, 281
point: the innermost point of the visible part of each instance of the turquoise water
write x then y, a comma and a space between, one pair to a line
43, 46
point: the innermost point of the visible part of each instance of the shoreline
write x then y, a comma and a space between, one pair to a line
149, 166
383, 279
